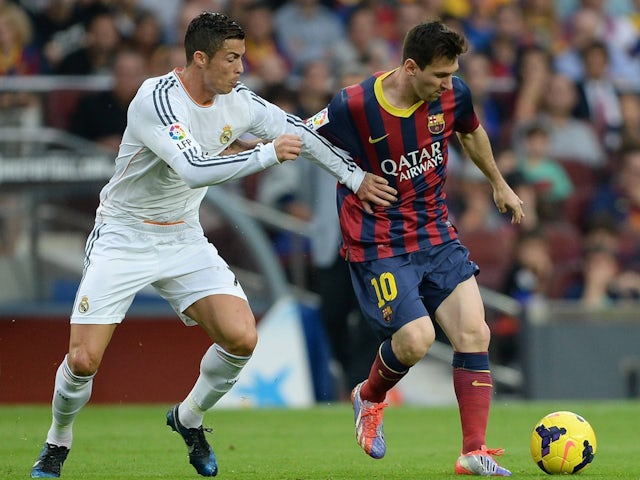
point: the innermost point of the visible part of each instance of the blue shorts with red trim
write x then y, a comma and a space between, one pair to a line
397, 290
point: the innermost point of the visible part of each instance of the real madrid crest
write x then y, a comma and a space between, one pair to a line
83, 306
226, 134
435, 123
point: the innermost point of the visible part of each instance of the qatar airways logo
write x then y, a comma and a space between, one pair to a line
414, 163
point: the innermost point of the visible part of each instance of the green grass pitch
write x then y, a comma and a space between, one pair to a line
133, 442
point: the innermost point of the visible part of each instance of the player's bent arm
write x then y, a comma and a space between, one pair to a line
478, 146
197, 169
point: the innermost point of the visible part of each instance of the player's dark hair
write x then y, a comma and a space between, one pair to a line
208, 31
429, 41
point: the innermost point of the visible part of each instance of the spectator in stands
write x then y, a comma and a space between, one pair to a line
17, 57
530, 273
569, 138
17, 53
476, 71
610, 269
169, 15
315, 88
541, 21
363, 46
101, 41
265, 62
630, 111
102, 117
406, 16
603, 280
58, 30
479, 26
307, 31
551, 180
165, 58
146, 35
620, 35
620, 197
598, 99
533, 73
585, 26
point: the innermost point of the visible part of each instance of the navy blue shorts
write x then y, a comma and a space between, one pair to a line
395, 291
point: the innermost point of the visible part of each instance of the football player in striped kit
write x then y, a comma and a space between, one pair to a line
407, 265
177, 142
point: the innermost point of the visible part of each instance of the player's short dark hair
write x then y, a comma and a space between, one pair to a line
208, 31
431, 40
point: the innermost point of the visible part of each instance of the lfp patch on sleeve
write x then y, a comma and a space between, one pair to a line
176, 132
180, 136
319, 119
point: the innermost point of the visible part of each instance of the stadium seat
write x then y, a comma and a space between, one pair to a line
59, 106
565, 242
574, 207
491, 250
581, 175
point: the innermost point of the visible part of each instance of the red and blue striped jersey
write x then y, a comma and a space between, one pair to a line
409, 148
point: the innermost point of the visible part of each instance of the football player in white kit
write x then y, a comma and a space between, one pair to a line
147, 230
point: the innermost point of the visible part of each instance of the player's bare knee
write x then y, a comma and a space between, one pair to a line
241, 345
473, 338
414, 347
82, 363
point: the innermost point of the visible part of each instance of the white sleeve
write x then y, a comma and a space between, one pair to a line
270, 121
173, 143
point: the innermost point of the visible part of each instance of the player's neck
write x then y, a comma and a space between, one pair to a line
194, 86
397, 90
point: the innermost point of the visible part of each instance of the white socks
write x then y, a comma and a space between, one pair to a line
219, 371
70, 393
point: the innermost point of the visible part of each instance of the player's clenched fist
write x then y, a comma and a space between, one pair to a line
287, 146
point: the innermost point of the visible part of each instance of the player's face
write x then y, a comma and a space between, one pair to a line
429, 84
225, 67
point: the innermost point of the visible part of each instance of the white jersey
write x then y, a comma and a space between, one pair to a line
171, 148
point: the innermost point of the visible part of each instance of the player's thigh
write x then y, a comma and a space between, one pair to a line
202, 289
228, 320
461, 316
87, 344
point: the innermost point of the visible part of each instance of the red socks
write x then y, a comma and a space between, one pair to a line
385, 372
474, 388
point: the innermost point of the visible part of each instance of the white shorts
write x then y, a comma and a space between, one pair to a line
177, 260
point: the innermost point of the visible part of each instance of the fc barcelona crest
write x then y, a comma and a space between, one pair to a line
435, 123
387, 313
226, 134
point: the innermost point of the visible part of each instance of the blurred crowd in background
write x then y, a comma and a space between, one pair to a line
556, 84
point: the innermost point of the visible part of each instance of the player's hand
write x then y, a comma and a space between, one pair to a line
375, 190
288, 147
507, 200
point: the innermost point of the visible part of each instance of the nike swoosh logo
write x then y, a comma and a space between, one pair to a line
476, 383
567, 446
376, 140
382, 375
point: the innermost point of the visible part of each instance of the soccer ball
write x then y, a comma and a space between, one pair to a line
563, 442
